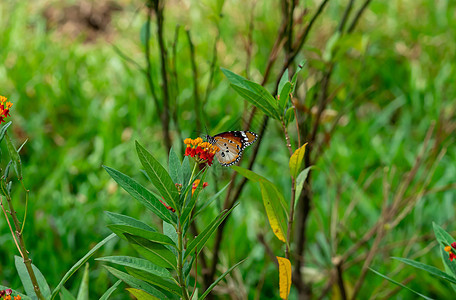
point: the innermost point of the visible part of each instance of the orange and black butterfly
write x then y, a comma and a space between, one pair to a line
231, 144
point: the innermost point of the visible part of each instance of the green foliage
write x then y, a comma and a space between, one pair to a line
162, 251
82, 105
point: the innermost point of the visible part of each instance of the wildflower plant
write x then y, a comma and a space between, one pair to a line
168, 253
34, 283
447, 249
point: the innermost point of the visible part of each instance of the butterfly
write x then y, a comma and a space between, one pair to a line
231, 144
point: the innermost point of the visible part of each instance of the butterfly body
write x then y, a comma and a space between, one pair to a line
231, 144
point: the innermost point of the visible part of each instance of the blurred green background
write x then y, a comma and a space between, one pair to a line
81, 104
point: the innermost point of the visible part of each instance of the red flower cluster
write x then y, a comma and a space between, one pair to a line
451, 250
6, 295
203, 152
4, 109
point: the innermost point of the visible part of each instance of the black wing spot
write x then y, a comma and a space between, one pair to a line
227, 151
222, 154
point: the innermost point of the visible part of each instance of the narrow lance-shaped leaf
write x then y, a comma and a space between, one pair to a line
137, 263
111, 290
155, 237
83, 293
3, 130
296, 160
295, 76
154, 252
175, 167
159, 176
254, 93
27, 282
273, 210
284, 277
284, 79
202, 238
136, 283
284, 97
140, 294
14, 156
443, 237
168, 285
77, 265
127, 220
400, 284
141, 194
427, 268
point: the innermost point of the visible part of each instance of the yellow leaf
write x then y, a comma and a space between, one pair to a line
296, 160
142, 295
271, 202
284, 277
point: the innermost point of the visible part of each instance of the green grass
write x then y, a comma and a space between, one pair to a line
81, 105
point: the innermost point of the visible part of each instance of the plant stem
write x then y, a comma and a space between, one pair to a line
293, 194
23, 250
180, 250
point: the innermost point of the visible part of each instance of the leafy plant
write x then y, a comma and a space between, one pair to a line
169, 253
447, 247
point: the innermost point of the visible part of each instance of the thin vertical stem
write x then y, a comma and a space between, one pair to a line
158, 7
180, 250
23, 249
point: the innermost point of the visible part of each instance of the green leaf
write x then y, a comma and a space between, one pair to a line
3, 130
127, 220
209, 289
400, 284
27, 282
155, 237
296, 160
77, 265
170, 232
65, 294
141, 194
254, 93
14, 156
83, 293
449, 265
427, 268
330, 46
443, 237
175, 168
289, 115
202, 238
271, 200
284, 97
300, 182
159, 177
137, 263
284, 79
111, 290
140, 294
166, 284
188, 267
136, 283
154, 252
250, 175
295, 76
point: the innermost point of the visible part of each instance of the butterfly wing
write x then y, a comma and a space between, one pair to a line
230, 151
231, 144
245, 138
